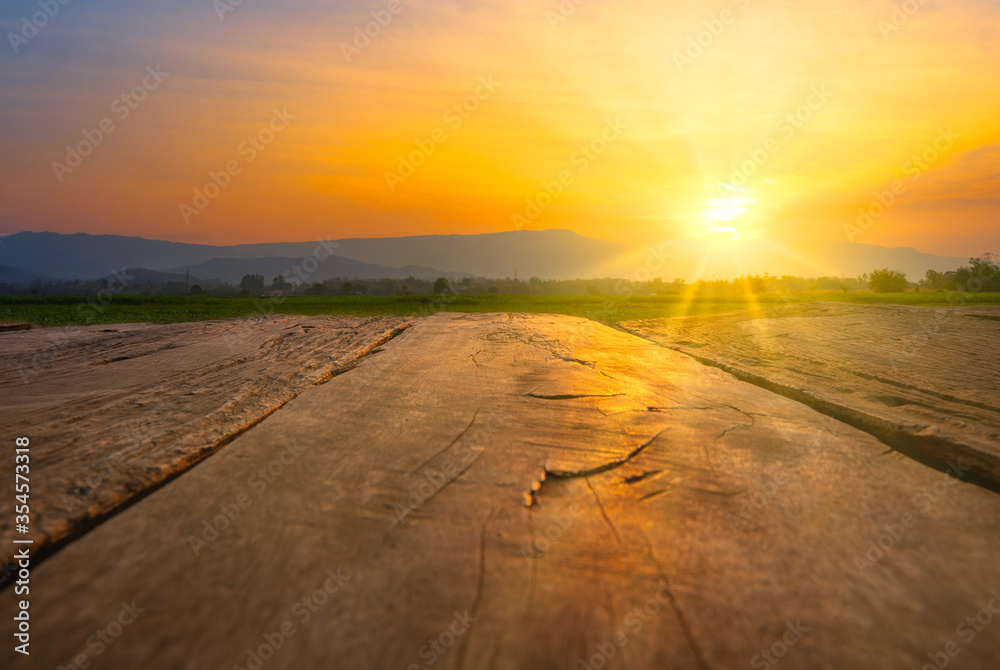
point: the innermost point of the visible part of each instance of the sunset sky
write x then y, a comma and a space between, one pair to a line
682, 107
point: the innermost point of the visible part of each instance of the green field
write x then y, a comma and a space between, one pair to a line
68, 310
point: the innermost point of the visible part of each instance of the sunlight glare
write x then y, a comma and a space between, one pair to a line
733, 204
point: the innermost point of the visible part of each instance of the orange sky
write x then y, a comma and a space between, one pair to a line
676, 123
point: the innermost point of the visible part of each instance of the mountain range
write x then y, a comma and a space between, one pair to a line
548, 254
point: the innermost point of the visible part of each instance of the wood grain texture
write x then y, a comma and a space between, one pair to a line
113, 411
533, 492
924, 380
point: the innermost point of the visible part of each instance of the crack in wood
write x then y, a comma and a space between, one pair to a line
570, 359
531, 497
675, 605
448, 483
480, 581
656, 494
604, 513
638, 478
452, 443
533, 577
571, 396
611, 465
739, 426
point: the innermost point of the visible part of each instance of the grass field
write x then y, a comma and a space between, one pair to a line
70, 310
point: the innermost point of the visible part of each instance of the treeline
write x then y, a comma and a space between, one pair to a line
94, 287
981, 274
257, 285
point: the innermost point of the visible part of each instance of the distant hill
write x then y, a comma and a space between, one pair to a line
693, 259
13, 275
549, 254
556, 253
231, 270
82, 256
144, 275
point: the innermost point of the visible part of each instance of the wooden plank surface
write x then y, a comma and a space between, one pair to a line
922, 379
115, 410
507, 491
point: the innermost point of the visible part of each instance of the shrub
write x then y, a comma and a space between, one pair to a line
888, 281
441, 286
252, 284
316, 289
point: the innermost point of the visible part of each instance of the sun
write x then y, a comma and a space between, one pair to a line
732, 203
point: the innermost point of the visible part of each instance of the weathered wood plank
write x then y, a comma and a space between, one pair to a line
559, 482
925, 380
115, 410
